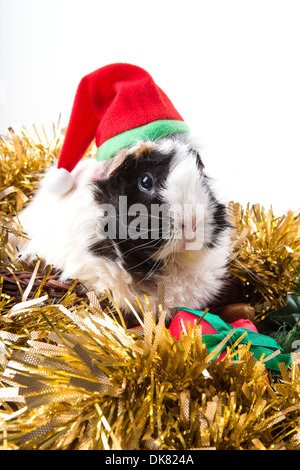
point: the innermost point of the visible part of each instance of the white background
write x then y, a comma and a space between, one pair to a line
231, 67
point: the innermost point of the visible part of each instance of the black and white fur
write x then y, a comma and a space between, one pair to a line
64, 230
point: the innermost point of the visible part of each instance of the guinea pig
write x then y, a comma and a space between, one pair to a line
147, 216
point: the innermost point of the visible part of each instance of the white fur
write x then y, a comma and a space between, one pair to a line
192, 278
60, 229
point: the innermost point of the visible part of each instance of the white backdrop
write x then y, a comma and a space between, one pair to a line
231, 67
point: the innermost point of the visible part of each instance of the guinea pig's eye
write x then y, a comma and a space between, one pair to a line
146, 182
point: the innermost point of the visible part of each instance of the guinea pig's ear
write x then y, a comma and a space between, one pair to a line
100, 172
114, 163
199, 161
106, 169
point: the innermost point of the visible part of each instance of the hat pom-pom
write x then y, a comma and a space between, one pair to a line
58, 181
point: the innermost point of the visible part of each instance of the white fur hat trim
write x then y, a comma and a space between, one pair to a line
58, 181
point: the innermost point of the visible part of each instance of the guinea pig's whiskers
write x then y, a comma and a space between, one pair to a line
251, 273
149, 274
141, 263
165, 257
141, 247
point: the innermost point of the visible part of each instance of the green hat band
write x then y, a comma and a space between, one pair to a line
152, 131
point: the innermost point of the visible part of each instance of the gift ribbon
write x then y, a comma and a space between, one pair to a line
260, 344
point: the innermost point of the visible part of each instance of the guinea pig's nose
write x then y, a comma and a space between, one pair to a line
194, 224
189, 228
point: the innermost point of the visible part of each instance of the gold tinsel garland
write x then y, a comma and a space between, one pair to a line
74, 377
266, 253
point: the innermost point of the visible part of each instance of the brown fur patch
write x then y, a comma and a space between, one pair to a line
144, 148
114, 163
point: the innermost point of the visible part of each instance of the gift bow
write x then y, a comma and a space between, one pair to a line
260, 344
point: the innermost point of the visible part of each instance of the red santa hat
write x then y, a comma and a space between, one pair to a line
117, 105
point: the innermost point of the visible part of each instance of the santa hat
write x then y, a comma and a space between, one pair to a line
117, 105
